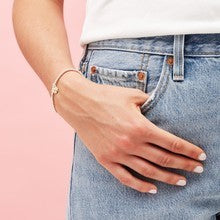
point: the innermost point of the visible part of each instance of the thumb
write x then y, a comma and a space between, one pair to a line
141, 97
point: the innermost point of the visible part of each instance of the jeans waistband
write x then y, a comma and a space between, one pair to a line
177, 46
194, 44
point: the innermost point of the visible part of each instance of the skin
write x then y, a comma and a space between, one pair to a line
121, 135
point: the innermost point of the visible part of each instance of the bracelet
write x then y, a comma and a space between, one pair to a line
55, 89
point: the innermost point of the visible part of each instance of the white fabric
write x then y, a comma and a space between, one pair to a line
107, 19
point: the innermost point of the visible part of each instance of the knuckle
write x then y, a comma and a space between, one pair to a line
137, 128
165, 160
124, 180
124, 142
101, 158
113, 152
170, 179
188, 165
176, 145
146, 171
148, 134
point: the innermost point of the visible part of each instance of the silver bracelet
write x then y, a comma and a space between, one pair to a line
55, 89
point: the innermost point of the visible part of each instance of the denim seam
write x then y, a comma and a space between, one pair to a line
202, 55
152, 51
143, 55
91, 56
147, 62
131, 50
161, 88
71, 178
145, 69
83, 57
86, 62
103, 73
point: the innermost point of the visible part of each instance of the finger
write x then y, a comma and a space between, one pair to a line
175, 144
126, 178
147, 169
166, 158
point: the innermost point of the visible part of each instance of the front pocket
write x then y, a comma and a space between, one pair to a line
124, 78
160, 87
149, 73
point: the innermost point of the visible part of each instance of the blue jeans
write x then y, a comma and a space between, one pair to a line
182, 75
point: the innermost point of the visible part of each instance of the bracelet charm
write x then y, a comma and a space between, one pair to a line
55, 89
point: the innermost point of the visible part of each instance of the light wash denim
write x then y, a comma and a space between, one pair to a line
184, 101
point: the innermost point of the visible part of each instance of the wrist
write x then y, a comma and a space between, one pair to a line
72, 80
72, 86
65, 80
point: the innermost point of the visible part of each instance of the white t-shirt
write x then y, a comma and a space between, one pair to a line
108, 19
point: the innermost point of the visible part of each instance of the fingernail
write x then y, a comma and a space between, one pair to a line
198, 169
181, 183
202, 156
153, 191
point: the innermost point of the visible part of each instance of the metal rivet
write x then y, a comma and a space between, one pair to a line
170, 60
140, 75
93, 69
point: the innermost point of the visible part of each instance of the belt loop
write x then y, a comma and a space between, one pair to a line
178, 53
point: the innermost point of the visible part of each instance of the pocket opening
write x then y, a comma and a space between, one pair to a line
158, 65
160, 88
84, 62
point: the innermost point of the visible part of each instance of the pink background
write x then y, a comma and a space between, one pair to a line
36, 144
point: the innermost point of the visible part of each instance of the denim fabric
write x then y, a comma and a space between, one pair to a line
188, 108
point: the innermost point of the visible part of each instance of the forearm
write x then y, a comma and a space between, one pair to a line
41, 35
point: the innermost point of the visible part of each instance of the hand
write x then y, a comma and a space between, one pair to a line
108, 120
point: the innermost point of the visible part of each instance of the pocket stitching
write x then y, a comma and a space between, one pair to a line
84, 62
160, 89
108, 73
103, 71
